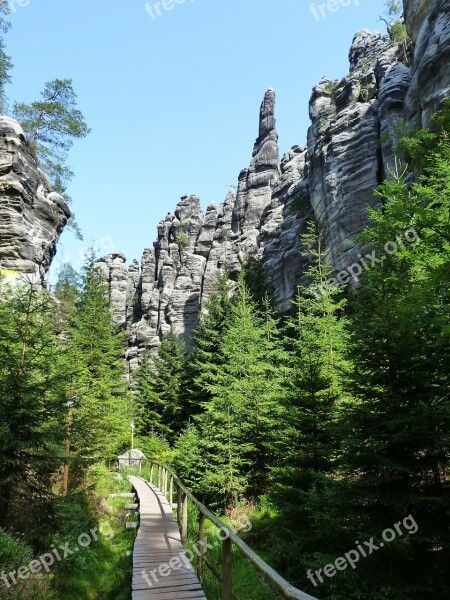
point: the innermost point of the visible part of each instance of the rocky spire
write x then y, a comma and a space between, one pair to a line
256, 183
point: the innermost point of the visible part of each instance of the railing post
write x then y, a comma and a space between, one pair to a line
184, 520
227, 569
171, 492
179, 503
202, 546
165, 483
151, 473
159, 477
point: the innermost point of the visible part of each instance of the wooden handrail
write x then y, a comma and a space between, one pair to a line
284, 587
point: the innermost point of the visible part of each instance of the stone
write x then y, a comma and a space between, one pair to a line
32, 214
429, 26
349, 152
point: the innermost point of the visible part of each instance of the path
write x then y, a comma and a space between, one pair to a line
160, 568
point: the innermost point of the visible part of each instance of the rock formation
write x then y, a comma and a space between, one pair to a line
347, 157
428, 23
32, 215
349, 151
332, 180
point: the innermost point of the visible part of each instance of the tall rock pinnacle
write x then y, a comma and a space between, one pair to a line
256, 183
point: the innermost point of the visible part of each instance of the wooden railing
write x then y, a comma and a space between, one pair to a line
170, 485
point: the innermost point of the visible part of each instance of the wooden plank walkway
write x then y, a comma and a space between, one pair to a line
160, 568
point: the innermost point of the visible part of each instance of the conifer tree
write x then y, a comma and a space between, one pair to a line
34, 386
202, 364
396, 441
316, 340
159, 403
5, 77
239, 422
101, 416
51, 124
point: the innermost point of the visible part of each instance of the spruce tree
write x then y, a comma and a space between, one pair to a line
101, 416
158, 399
202, 364
34, 387
316, 340
397, 446
239, 422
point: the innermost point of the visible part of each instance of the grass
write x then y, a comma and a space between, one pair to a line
248, 584
101, 570
107, 573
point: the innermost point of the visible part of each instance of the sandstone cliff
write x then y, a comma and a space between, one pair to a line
32, 215
332, 179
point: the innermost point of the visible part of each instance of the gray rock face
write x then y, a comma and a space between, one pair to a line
283, 222
176, 275
429, 26
347, 159
415, 13
350, 150
32, 215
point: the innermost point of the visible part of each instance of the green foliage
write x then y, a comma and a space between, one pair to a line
239, 421
158, 399
4, 12
33, 391
396, 431
5, 77
257, 281
101, 415
13, 552
155, 447
182, 242
188, 459
202, 364
51, 124
67, 289
394, 9
398, 33
317, 339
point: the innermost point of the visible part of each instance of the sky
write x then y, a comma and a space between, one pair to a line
173, 98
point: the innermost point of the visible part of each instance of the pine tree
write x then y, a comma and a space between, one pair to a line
158, 400
397, 444
51, 124
101, 416
202, 364
5, 77
34, 386
239, 422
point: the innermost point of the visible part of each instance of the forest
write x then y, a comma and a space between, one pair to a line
326, 426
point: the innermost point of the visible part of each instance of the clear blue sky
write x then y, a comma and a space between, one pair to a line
173, 102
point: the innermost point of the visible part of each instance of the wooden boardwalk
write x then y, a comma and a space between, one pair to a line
160, 568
